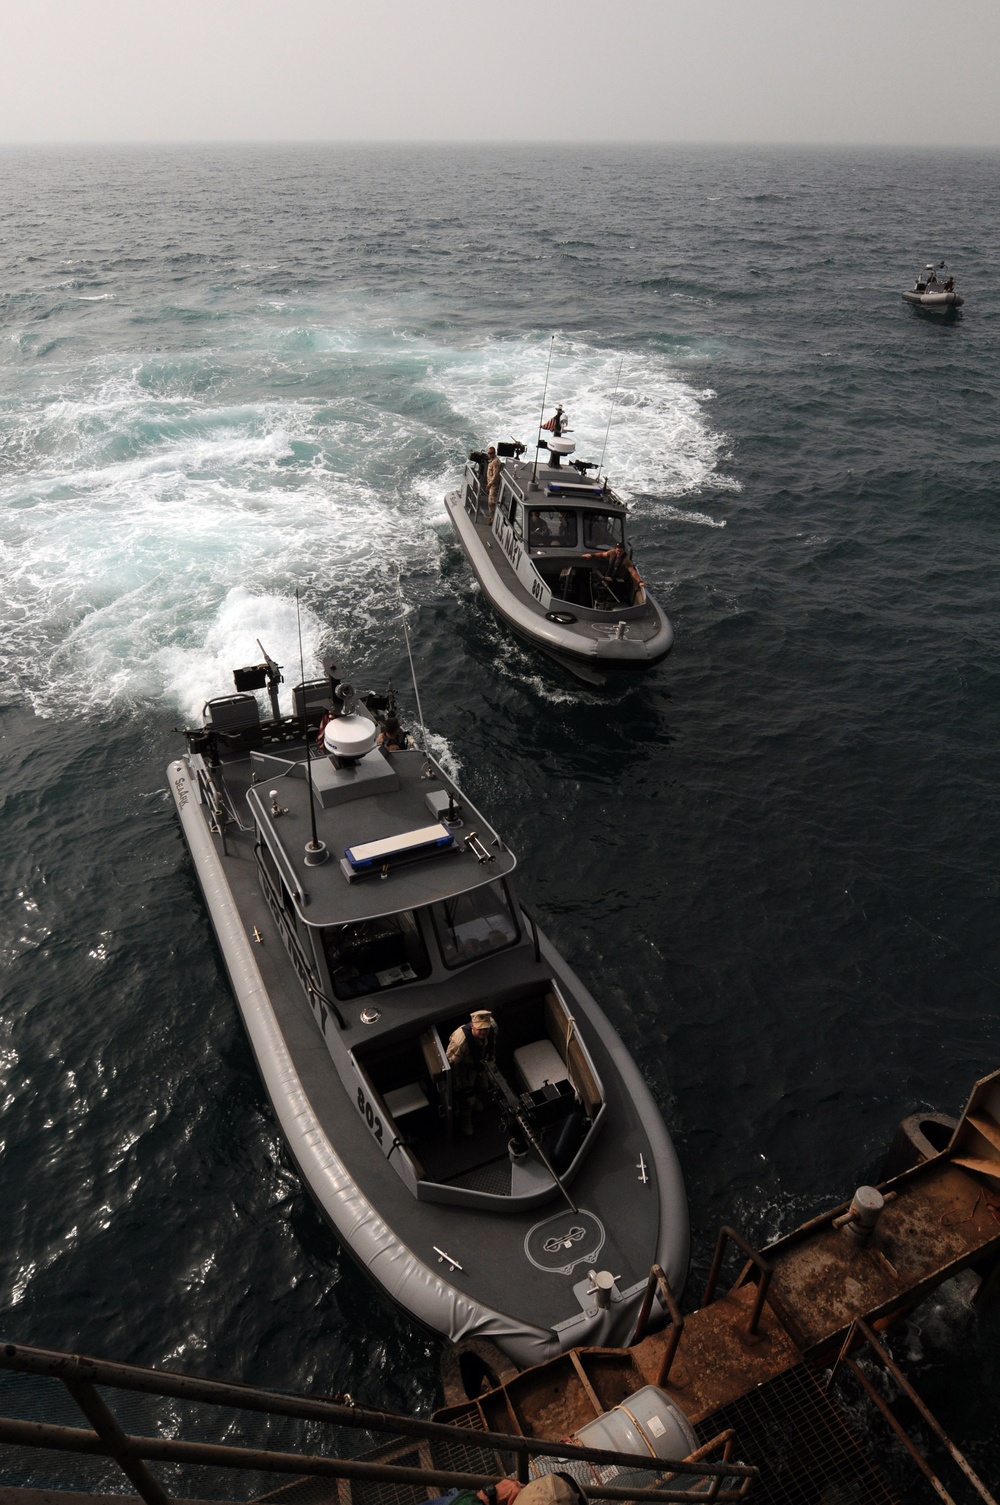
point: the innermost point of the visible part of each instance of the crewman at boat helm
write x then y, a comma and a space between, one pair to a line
619, 564
469, 1048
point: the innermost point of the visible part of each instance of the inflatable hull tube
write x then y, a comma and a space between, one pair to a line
938, 301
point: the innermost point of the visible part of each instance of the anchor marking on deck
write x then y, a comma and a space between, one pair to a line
557, 1246
563, 1240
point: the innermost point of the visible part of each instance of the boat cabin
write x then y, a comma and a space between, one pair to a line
408, 926
563, 532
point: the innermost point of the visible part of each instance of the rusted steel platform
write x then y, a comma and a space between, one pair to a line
717, 1359
793, 1305
943, 1218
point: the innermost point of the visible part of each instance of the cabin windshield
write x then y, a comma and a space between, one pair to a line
370, 955
473, 924
602, 530
552, 528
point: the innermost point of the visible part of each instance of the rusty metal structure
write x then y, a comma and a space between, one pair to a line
758, 1373
754, 1360
416, 1459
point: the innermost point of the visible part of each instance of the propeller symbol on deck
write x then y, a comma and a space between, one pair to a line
563, 1240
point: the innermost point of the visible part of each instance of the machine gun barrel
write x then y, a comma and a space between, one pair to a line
274, 678
514, 1107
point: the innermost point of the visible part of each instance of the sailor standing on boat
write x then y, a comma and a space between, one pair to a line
469, 1048
493, 478
555, 424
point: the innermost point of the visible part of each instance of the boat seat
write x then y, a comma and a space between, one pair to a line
539, 1063
435, 1060
237, 720
233, 713
409, 1099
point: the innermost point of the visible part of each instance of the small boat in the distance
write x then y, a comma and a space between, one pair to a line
548, 543
934, 288
454, 1098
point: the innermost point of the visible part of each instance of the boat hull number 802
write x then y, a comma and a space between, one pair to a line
371, 1117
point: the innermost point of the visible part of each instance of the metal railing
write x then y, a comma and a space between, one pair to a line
296, 952
860, 1333
657, 1278
474, 490
725, 1480
756, 1259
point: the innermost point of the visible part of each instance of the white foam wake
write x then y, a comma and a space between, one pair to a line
659, 442
156, 514
243, 624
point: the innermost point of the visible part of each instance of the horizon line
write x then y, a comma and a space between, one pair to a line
454, 141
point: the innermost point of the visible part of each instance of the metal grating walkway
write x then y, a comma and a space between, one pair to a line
802, 1445
408, 1453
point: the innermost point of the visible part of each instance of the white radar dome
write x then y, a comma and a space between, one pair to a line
350, 736
562, 446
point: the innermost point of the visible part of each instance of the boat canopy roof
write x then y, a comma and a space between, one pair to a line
389, 850
533, 485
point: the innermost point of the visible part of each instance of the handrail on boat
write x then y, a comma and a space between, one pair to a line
473, 490
220, 802
534, 930
300, 961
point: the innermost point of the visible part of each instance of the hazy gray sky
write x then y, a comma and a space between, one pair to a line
670, 70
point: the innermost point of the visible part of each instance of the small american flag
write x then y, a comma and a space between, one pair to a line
551, 425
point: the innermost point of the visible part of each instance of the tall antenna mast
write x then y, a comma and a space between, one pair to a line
541, 418
316, 852
413, 672
611, 414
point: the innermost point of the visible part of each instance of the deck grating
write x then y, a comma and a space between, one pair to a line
806, 1453
493, 1177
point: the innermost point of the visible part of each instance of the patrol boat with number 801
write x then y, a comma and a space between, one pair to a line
364, 909
553, 558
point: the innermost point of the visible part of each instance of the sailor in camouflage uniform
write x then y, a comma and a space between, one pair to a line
469, 1048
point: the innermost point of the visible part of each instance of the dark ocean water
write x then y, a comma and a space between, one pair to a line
774, 859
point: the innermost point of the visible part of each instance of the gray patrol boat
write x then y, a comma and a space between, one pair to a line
364, 908
553, 557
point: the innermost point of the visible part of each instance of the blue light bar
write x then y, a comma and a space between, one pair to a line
422, 842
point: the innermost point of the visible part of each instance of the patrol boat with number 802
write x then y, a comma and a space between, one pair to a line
364, 909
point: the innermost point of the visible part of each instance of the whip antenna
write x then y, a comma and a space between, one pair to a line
413, 672
316, 852
611, 414
541, 419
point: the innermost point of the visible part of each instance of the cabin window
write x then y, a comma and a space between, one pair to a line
371, 955
602, 530
475, 923
551, 528
508, 505
277, 882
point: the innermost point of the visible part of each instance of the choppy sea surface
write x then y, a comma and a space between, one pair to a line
228, 373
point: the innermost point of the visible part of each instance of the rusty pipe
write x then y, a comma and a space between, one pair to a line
263, 1460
